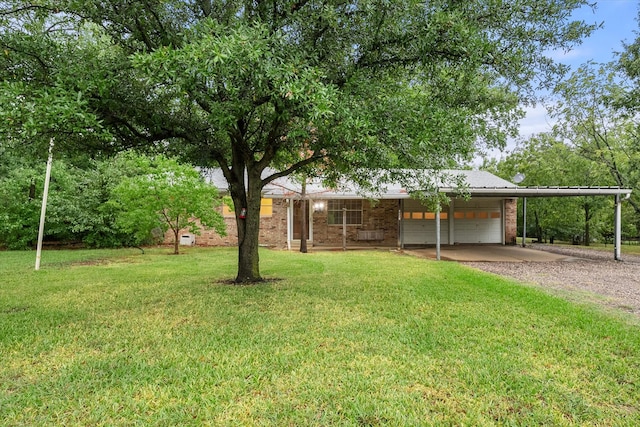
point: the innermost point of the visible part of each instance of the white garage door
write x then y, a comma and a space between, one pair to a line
478, 221
419, 225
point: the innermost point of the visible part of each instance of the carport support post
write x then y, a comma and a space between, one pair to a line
524, 221
618, 229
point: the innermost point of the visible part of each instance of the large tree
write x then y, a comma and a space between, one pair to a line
596, 118
248, 85
547, 161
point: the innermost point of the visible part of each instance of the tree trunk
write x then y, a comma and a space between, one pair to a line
248, 222
176, 242
248, 257
538, 227
587, 228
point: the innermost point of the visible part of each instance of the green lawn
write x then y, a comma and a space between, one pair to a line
349, 339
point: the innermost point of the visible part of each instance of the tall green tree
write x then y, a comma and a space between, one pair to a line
591, 120
244, 85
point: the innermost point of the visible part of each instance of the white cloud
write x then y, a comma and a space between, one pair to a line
535, 121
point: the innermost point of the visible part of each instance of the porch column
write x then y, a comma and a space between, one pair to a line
618, 229
438, 231
401, 226
451, 222
289, 222
524, 222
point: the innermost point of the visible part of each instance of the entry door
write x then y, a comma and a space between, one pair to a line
297, 219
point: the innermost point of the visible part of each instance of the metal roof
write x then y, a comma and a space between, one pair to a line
542, 191
479, 184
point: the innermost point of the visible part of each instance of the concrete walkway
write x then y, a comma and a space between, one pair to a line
489, 253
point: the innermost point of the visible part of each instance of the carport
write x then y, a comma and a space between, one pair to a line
620, 195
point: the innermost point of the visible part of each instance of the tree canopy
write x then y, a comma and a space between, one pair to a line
345, 86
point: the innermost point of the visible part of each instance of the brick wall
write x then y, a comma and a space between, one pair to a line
273, 230
381, 215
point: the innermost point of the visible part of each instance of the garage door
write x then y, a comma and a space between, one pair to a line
419, 225
479, 222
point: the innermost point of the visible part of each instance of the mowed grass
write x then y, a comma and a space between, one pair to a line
351, 339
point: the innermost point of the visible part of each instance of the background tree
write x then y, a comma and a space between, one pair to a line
591, 121
243, 85
546, 161
167, 195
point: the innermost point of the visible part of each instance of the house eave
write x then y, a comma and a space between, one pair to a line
511, 192
500, 192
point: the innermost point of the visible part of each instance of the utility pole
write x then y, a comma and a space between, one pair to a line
43, 210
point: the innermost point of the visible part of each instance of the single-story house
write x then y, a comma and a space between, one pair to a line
346, 217
393, 218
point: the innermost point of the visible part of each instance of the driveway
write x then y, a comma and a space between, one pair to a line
491, 253
578, 274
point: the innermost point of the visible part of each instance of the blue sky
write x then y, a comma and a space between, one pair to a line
619, 24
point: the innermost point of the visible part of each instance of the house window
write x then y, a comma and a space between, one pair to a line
354, 212
266, 208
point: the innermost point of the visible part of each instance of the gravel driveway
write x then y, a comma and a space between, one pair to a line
590, 275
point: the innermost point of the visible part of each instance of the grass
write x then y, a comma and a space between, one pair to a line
352, 339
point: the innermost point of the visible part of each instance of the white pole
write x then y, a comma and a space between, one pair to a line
43, 210
344, 229
438, 231
617, 240
524, 222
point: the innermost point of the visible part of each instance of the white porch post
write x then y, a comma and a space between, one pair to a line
438, 231
289, 222
524, 222
618, 229
452, 221
344, 229
401, 225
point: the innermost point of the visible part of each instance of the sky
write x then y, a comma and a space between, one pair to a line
619, 24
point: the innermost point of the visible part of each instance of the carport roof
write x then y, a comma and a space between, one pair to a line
542, 191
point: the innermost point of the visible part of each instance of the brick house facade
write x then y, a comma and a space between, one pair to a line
379, 225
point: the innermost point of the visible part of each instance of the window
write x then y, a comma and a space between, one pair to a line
354, 212
432, 215
266, 207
